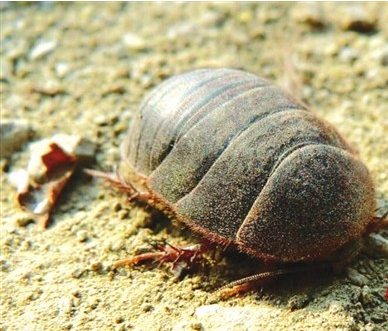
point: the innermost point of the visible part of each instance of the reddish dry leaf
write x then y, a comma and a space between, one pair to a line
56, 160
39, 199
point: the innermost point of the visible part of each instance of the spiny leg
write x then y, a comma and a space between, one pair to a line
252, 282
181, 258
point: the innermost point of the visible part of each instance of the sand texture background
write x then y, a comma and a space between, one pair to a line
84, 68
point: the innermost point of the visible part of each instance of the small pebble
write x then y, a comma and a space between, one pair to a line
380, 54
112, 88
116, 246
67, 326
376, 245
119, 319
65, 306
123, 214
5, 265
116, 206
310, 14
196, 326
216, 317
356, 278
42, 48
188, 326
49, 87
146, 307
124, 327
96, 266
366, 296
358, 18
245, 16
298, 302
181, 28
92, 303
370, 327
22, 219
62, 69
134, 41
13, 134
16, 49
76, 294
210, 18
82, 235
78, 273
348, 54
5, 69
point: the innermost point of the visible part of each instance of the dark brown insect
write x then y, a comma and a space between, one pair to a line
242, 163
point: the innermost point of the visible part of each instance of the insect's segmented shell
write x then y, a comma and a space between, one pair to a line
239, 160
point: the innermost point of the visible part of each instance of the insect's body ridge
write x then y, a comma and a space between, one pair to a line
241, 162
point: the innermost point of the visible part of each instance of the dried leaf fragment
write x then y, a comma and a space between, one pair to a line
50, 168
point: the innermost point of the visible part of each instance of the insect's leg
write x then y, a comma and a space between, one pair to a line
251, 282
181, 258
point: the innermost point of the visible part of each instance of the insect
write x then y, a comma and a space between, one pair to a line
242, 163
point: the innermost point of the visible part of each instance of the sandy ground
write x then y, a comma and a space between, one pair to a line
84, 68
